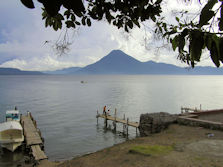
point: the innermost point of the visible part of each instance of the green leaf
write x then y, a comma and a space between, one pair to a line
44, 14
208, 40
221, 11
78, 23
67, 13
28, 3
70, 24
164, 26
59, 25
209, 5
60, 16
88, 22
192, 63
181, 43
196, 44
220, 24
153, 18
94, 9
160, 29
205, 17
55, 26
73, 18
156, 30
136, 23
108, 17
130, 24
126, 28
119, 24
184, 32
217, 41
215, 49
175, 42
207, 13
83, 21
78, 13
114, 22
214, 54
177, 19
158, 1
48, 22
221, 49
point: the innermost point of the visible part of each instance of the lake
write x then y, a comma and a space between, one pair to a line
65, 108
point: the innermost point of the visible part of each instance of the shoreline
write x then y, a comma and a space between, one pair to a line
180, 146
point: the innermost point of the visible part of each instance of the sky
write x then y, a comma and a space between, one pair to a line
23, 35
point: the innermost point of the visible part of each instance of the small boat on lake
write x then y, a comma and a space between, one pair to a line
11, 131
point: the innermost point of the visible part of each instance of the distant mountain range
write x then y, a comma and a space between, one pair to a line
117, 62
14, 71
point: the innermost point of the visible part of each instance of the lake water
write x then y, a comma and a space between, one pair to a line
65, 108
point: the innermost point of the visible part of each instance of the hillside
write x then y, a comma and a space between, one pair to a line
14, 71
70, 70
116, 62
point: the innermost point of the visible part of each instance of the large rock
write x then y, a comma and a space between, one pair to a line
155, 122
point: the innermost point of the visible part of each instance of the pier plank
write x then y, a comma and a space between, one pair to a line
38, 154
30, 131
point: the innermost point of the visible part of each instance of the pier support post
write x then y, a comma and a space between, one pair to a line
106, 120
127, 128
115, 120
124, 124
97, 117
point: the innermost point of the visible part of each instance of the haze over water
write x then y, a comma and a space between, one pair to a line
65, 108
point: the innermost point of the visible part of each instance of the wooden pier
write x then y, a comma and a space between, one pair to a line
126, 123
33, 139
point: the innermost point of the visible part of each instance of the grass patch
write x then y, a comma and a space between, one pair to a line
199, 158
150, 150
170, 131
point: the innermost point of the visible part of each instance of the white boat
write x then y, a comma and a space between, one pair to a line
11, 131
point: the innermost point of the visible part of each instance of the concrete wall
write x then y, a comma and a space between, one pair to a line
200, 123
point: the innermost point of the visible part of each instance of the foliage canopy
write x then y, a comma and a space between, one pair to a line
189, 38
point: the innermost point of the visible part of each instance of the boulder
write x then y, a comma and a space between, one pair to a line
155, 122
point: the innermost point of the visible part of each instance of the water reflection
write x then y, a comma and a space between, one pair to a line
11, 159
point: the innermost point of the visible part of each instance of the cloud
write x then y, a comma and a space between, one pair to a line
38, 64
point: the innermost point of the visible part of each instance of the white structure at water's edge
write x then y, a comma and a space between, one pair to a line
11, 131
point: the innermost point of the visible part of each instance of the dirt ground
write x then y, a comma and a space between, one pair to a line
192, 147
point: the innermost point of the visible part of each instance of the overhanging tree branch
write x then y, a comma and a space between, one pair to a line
188, 37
